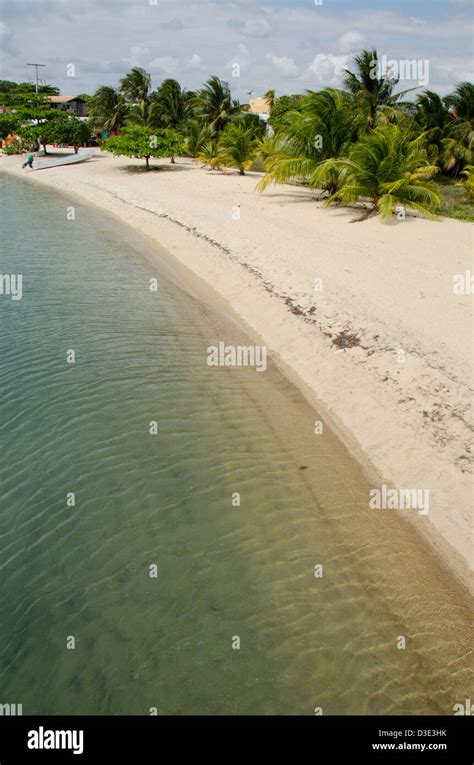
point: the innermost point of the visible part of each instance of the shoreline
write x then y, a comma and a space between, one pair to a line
256, 258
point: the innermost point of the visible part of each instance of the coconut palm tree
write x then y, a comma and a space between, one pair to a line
431, 111
198, 134
108, 109
431, 116
136, 85
271, 99
323, 130
142, 114
208, 154
458, 144
468, 184
372, 91
214, 104
237, 147
172, 104
462, 101
387, 167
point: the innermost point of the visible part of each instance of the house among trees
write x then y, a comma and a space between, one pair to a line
74, 104
259, 105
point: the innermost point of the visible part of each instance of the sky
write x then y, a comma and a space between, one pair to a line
288, 45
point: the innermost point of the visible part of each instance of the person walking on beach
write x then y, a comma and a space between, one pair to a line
29, 161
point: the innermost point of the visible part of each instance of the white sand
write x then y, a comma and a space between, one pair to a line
390, 285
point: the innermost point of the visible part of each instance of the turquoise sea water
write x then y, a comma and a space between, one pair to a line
223, 572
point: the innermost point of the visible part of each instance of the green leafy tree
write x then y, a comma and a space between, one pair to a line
208, 155
71, 131
9, 124
271, 98
172, 105
214, 104
281, 107
253, 123
432, 116
388, 168
468, 184
237, 147
462, 101
144, 143
142, 114
59, 128
108, 109
372, 91
458, 143
311, 138
197, 135
25, 104
7, 86
136, 85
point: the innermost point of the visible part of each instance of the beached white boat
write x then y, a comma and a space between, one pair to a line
64, 159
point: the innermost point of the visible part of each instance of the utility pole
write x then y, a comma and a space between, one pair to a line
36, 68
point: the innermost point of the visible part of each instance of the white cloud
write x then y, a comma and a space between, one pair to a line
193, 62
284, 65
165, 64
327, 69
174, 25
193, 39
351, 42
136, 56
256, 28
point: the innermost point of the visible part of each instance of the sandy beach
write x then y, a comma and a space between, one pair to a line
361, 316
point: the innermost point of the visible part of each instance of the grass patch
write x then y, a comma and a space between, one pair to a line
454, 200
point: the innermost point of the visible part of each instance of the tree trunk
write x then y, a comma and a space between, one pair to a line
366, 215
44, 147
75, 149
241, 171
172, 161
147, 160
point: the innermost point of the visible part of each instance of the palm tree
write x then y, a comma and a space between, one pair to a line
237, 147
372, 91
172, 104
107, 109
462, 101
208, 154
271, 99
431, 111
214, 104
432, 117
458, 143
198, 135
308, 140
468, 184
142, 114
136, 85
387, 167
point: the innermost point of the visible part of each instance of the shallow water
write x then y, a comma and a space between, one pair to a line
223, 571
